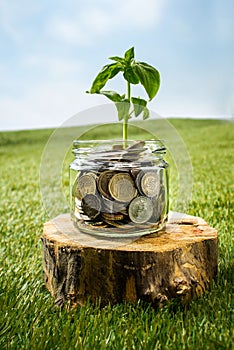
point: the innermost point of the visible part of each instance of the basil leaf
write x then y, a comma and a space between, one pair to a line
112, 95
123, 109
149, 78
117, 59
130, 76
146, 113
139, 101
139, 105
107, 72
129, 54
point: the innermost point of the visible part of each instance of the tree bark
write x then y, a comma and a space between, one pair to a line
177, 262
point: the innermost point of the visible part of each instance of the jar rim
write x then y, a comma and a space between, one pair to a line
107, 141
156, 145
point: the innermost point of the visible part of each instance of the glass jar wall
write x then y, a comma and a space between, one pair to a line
119, 188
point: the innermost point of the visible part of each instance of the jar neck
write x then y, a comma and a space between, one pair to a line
116, 149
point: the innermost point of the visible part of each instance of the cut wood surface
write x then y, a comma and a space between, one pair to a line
179, 261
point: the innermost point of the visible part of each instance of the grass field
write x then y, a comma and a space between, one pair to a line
28, 318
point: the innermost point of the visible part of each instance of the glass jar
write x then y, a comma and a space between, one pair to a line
119, 188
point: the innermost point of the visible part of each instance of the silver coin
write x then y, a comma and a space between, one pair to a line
138, 145
140, 210
138, 181
150, 184
111, 206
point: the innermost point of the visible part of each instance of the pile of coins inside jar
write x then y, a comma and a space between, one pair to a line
118, 197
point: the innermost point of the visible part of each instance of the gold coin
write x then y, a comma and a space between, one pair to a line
114, 223
94, 175
98, 224
85, 184
122, 187
118, 216
150, 184
121, 225
103, 182
140, 210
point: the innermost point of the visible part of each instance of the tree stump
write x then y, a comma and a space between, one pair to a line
179, 261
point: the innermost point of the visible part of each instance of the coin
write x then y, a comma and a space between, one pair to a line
122, 187
122, 225
134, 172
150, 184
140, 210
90, 227
129, 157
103, 182
138, 180
85, 184
124, 211
77, 203
159, 205
114, 223
91, 173
97, 224
108, 155
114, 217
138, 145
117, 147
91, 205
80, 215
133, 151
111, 206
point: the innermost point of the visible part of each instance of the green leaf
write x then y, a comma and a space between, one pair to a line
134, 73
139, 101
149, 78
146, 113
112, 95
129, 54
117, 59
123, 109
139, 105
130, 76
107, 72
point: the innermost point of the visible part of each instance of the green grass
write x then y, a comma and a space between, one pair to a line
28, 317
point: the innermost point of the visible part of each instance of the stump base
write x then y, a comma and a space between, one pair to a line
178, 262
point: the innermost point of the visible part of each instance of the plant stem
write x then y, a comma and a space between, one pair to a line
125, 121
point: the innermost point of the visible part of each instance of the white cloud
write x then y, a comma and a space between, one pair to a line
45, 105
54, 66
90, 23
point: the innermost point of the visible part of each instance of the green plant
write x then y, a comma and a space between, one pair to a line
134, 73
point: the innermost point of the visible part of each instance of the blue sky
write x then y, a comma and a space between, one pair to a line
50, 51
